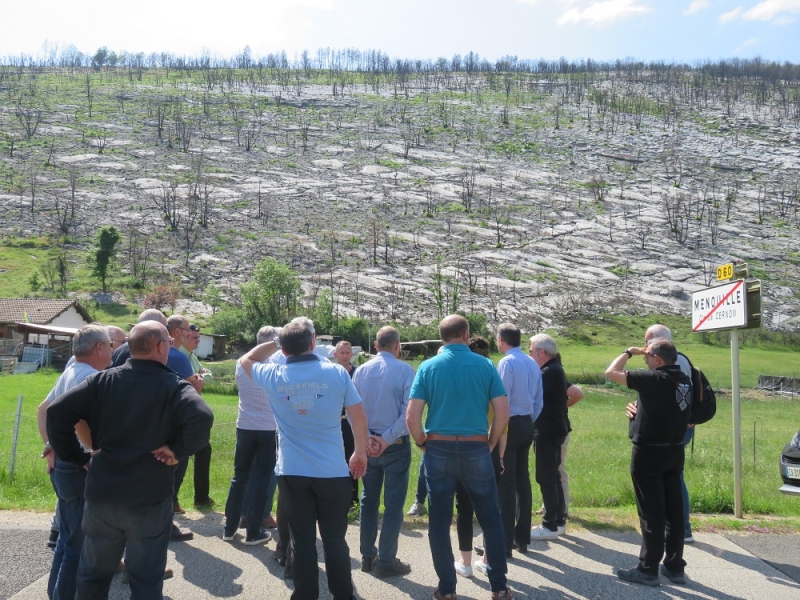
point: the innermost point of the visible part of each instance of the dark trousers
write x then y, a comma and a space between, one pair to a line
202, 468
349, 448
656, 475
515, 479
141, 531
324, 501
548, 459
253, 464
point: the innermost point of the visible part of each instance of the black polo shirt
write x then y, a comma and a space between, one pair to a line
663, 406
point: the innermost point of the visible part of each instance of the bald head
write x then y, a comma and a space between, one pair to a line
151, 314
149, 341
454, 328
117, 336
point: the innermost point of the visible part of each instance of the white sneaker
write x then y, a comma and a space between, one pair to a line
562, 530
482, 566
462, 569
543, 533
416, 510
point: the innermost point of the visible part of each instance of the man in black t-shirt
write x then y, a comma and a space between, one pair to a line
657, 430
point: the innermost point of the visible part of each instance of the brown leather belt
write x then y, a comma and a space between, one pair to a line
437, 437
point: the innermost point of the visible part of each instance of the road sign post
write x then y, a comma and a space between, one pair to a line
726, 307
737, 426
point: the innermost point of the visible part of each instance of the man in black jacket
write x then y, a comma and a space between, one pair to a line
549, 431
143, 419
657, 430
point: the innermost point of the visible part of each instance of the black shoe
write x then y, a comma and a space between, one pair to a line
367, 563
479, 550
262, 537
51, 543
180, 534
397, 568
673, 576
634, 575
204, 504
521, 548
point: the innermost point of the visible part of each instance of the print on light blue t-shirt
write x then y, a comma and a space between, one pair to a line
307, 398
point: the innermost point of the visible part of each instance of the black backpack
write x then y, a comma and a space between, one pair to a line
704, 400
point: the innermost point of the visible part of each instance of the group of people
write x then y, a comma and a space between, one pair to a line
137, 423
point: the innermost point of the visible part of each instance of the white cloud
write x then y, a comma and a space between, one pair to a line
746, 44
604, 13
776, 11
527, 1
769, 9
731, 15
696, 6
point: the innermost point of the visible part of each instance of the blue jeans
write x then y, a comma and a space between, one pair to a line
446, 463
68, 482
141, 531
687, 526
390, 472
254, 457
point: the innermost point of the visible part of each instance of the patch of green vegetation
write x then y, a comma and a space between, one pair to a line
621, 270
390, 164
542, 263
511, 148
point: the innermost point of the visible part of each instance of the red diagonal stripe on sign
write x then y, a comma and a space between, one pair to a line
720, 303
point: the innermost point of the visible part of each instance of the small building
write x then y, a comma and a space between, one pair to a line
40, 330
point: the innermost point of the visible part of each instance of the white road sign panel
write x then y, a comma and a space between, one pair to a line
720, 307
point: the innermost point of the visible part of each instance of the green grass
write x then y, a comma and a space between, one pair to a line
598, 458
16, 266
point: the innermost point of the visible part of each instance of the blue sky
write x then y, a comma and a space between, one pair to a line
671, 30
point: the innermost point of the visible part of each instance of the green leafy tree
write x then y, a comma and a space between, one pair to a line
34, 281
271, 295
213, 296
102, 258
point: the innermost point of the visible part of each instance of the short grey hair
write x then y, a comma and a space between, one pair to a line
268, 333
387, 337
87, 337
305, 322
545, 343
658, 331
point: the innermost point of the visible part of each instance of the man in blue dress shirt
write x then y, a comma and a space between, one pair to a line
523, 380
383, 384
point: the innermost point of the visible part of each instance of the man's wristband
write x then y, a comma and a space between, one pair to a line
422, 445
629, 353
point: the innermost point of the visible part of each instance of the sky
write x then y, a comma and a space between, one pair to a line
669, 30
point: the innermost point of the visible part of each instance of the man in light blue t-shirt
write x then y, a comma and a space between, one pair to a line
307, 396
92, 349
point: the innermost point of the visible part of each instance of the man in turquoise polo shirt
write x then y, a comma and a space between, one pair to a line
458, 385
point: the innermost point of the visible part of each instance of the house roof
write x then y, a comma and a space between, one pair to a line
42, 311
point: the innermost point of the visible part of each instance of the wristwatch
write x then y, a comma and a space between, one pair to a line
629, 353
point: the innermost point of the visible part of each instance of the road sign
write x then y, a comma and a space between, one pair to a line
720, 307
725, 272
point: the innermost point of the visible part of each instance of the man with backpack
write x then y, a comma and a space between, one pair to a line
663, 409
662, 331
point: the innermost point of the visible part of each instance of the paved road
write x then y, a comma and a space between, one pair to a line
582, 565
